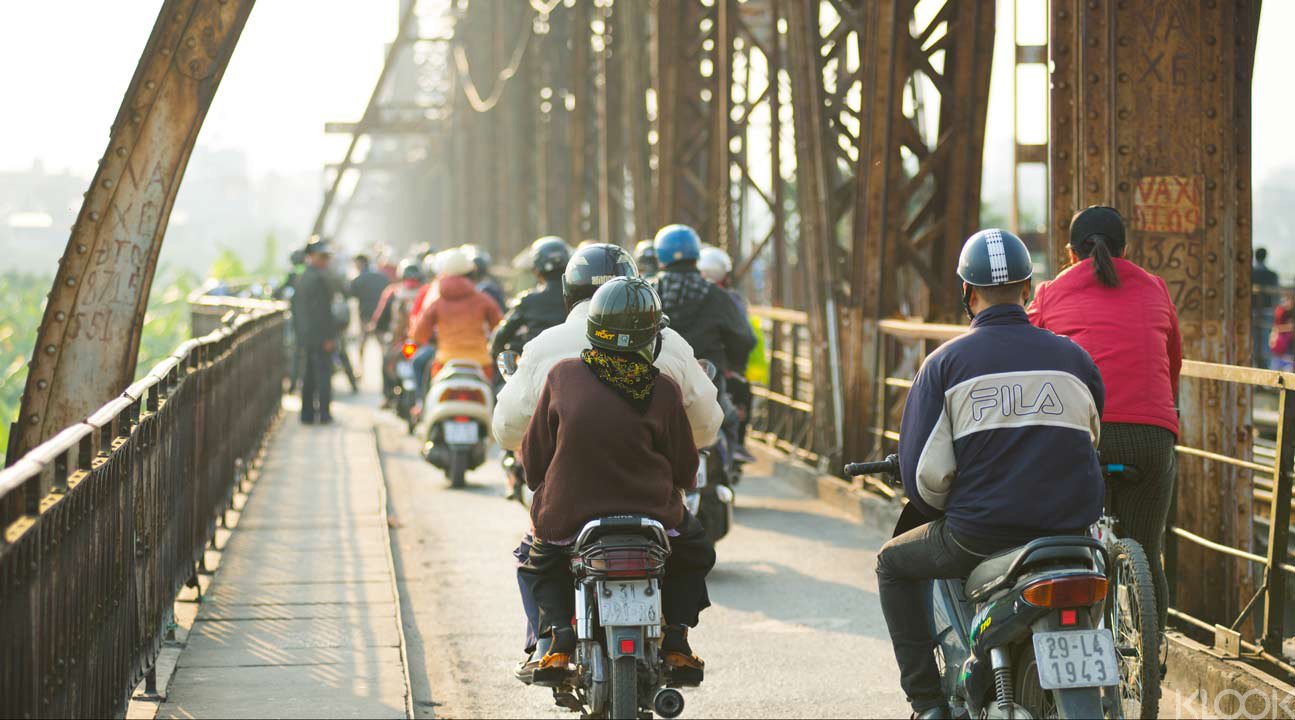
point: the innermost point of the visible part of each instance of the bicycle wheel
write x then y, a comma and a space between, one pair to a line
1131, 615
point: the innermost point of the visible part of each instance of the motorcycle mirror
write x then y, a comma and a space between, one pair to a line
709, 367
507, 363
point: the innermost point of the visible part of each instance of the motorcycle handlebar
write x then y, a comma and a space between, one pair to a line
889, 466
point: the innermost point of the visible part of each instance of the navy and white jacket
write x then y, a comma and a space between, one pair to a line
1000, 429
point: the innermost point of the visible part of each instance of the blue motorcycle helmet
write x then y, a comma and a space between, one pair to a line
991, 258
677, 243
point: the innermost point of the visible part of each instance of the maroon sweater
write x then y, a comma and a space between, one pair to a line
588, 454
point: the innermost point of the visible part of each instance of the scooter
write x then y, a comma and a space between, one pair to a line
712, 502
1022, 636
618, 563
514, 473
457, 411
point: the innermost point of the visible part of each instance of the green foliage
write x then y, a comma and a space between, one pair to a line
228, 266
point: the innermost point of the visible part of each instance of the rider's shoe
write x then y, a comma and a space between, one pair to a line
526, 669
682, 667
939, 712
555, 666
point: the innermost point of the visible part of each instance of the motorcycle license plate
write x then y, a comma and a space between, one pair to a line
1076, 658
461, 433
628, 603
405, 370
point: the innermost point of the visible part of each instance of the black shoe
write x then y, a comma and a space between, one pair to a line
682, 667
939, 712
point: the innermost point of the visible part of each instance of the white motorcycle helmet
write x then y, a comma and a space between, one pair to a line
714, 264
455, 261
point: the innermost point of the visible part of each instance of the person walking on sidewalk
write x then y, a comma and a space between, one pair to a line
312, 306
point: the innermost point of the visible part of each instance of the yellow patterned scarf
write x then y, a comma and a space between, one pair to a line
631, 376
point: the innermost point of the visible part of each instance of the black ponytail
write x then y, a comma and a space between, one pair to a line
1103, 266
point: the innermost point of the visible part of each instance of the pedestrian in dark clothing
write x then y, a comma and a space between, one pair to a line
366, 287
1267, 295
316, 325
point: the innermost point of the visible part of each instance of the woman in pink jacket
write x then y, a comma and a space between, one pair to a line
1123, 316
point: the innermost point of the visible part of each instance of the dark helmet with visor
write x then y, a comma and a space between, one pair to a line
624, 316
591, 267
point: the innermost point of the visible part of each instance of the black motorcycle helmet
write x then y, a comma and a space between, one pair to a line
990, 258
624, 316
549, 255
592, 266
409, 270
645, 254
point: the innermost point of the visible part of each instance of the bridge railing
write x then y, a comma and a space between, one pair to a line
908, 343
784, 417
102, 525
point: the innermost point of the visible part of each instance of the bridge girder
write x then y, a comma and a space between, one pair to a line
89, 336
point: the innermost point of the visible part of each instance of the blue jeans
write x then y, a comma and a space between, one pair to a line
421, 360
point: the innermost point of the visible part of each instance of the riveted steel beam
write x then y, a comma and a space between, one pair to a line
89, 337
1151, 115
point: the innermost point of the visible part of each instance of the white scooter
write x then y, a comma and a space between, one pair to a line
457, 411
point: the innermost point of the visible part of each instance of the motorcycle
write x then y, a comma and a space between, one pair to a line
403, 392
618, 563
712, 501
1022, 636
457, 410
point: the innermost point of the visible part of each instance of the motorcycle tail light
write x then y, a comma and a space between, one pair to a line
627, 646
408, 350
622, 563
1069, 618
463, 395
1066, 592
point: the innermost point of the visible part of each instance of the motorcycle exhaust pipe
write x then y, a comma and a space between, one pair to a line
668, 703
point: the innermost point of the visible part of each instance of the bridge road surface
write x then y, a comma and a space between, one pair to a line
794, 630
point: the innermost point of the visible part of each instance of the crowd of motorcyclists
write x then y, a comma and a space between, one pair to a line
629, 363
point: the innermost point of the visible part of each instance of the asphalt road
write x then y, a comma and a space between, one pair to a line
795, 629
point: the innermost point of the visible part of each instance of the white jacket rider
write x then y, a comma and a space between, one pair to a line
516, 402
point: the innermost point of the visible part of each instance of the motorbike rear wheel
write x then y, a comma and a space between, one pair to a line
625, 702
1030, 694
458, 468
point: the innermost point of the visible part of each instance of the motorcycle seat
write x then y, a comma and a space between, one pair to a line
633, 525
1001, 570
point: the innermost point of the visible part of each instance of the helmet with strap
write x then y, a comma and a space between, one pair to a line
591, 267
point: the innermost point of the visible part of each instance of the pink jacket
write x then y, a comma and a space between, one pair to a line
1131, 331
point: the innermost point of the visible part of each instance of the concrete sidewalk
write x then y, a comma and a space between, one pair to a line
302, 617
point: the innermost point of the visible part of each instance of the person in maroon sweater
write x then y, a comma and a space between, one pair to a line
610, 437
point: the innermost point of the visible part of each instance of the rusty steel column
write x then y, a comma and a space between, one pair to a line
685, 103
89, 337
1151, 115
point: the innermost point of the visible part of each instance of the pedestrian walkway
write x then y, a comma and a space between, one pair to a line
302, 618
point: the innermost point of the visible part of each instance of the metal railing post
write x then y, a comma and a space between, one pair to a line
1279, 525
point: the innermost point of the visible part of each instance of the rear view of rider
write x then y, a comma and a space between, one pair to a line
460, 315
486, 283
997, 448
645, 257
610, 437
700, 311
538, 309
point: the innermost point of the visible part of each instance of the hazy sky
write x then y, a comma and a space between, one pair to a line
301, 62
64, 65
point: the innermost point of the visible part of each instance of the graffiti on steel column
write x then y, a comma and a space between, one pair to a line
1167, 218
